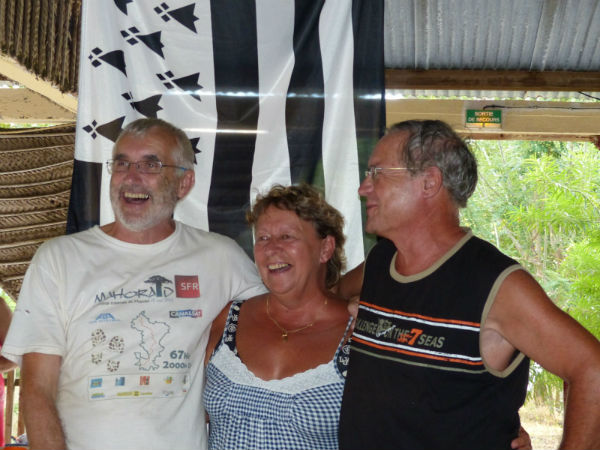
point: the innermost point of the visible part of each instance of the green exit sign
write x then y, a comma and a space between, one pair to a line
483, 118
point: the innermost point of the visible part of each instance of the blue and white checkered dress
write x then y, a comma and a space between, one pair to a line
246, 412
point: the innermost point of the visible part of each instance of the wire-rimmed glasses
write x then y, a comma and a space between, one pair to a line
143, 166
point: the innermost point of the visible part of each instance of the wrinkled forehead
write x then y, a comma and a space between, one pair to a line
152, 144
389, 149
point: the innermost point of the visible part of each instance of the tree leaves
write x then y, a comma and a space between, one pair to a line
539, 203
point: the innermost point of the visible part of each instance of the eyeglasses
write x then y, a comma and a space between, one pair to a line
144, 166
374, 171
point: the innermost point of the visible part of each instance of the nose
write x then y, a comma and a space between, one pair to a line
132, 172
365, 187
271, 245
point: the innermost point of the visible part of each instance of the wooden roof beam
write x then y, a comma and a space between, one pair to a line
494, 80
11, 69
521, 120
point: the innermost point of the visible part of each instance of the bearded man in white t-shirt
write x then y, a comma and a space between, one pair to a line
112, 322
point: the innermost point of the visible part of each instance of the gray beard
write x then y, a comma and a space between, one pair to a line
142, 223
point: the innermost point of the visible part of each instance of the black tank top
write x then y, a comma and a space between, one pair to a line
416, 378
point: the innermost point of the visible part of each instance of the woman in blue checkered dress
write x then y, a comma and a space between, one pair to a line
277, 370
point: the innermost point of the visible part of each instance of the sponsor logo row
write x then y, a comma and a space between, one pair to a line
158, 286
177, 314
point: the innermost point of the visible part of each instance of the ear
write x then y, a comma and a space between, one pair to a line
327, 249
186, 183
432, 181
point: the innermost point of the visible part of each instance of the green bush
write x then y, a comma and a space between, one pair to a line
539, 203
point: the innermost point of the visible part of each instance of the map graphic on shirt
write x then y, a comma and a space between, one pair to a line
152, 334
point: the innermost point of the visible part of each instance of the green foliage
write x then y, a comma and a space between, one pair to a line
550, 148
582, 265
8, 299
539, 203
24, 125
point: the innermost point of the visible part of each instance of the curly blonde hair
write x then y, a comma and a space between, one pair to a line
309, 205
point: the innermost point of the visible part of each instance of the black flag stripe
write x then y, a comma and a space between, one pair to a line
84, 204
369, 82
305, 104
236, 86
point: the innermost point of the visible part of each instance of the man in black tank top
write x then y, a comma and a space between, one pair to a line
446, 322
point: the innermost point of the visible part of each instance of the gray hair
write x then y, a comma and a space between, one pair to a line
432, 143
184, 154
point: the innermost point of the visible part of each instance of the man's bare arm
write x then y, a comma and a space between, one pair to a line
528, 320
351, 282
39, 378
5, 318
6, 365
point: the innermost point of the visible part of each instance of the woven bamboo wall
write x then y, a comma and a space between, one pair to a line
35, 181
43, 35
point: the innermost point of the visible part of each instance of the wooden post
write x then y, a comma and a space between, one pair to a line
20, 422
8, 408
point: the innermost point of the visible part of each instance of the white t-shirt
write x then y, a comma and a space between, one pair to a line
131, 323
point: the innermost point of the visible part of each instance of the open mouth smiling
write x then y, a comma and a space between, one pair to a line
278, 267
135, 197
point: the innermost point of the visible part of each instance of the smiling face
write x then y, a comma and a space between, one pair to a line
289, 254
391, 198
142, 202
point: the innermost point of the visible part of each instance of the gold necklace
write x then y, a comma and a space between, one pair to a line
284, 332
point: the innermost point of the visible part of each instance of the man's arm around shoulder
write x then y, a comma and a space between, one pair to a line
39, 377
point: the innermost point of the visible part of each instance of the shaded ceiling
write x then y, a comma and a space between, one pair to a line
43, 35
35, 183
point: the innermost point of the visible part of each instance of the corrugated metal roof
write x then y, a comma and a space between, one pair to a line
493, 34
538, 35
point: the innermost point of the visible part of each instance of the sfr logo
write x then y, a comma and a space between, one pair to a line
187, 286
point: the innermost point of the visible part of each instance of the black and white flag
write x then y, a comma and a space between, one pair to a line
268, 91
